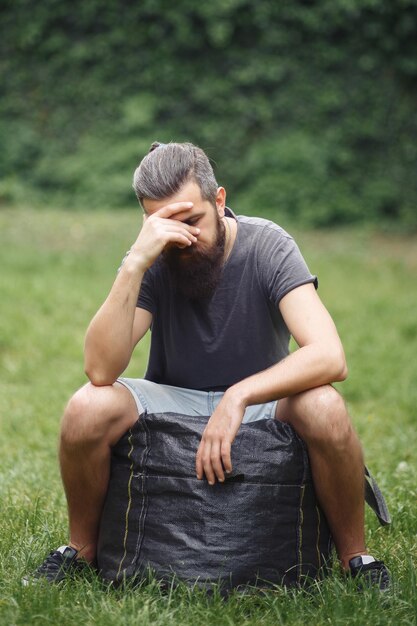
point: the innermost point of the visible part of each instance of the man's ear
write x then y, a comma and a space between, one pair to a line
221, 201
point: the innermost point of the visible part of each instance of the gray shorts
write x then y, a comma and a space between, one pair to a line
157, 398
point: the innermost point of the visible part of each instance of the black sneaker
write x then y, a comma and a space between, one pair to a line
372, 573
57, 566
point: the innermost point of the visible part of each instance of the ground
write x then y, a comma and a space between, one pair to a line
56, 268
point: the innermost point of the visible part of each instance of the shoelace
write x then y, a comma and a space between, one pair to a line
54, 562
376, 571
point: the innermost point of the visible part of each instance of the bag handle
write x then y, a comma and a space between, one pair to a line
375, 499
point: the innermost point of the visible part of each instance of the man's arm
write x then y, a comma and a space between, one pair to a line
319, 360
119, 324
115, 330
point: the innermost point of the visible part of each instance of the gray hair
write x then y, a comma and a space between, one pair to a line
167, 167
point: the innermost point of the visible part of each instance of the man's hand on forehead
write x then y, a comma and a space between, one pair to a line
162, 227
172, 211
183, 211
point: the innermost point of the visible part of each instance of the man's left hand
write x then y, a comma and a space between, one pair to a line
214, 452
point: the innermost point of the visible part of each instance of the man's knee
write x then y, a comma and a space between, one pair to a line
91, 413
77, 424
321, 417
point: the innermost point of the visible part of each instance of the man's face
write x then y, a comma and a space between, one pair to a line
196, 269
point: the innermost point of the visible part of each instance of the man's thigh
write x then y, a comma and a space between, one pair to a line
314, 412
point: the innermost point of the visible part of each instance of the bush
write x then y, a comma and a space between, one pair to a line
307, 108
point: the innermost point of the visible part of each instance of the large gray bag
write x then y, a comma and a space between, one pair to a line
262, 525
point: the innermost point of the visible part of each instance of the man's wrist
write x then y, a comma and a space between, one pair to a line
237, 394
134, 262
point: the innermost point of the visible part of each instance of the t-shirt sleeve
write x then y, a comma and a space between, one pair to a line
146, 297
281, 265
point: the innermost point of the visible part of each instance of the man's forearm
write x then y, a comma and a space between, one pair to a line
109, 343
307, 367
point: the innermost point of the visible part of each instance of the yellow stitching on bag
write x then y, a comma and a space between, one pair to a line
318, 538
129, 504
300, 533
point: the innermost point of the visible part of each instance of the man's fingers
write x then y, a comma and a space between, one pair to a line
174, 208
226, 448
174, 231
199, 461
215, 461
170, 223
179, 227
178, 237
207, 467
214, 452
203, 460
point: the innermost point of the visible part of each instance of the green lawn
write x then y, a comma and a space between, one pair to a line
56, 269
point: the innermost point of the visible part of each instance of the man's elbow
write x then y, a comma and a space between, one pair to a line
99, 378
340, 368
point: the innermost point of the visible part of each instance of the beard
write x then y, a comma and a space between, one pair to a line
196, 273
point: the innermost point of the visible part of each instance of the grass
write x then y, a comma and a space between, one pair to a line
56, 269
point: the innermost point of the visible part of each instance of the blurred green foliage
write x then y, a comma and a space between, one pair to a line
307, 107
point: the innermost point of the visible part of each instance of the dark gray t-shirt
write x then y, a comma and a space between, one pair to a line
238, 332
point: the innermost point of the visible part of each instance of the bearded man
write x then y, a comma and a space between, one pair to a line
222, 294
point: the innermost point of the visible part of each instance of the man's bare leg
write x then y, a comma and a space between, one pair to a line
320, 418
93, 422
